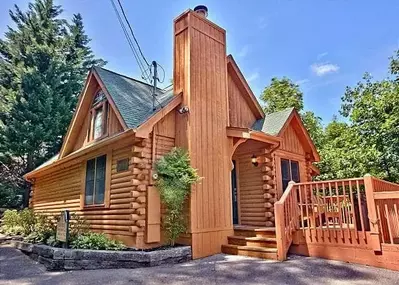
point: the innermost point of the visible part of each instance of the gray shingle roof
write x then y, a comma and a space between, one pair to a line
273, 123
132, 98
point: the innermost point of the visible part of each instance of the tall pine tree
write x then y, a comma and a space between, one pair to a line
43, 63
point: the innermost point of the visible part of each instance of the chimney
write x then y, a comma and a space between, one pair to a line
200, 73
201, 10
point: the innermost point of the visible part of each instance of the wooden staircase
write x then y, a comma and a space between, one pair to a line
252, 241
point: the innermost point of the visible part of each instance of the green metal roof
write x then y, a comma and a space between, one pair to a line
132, 98
273, 123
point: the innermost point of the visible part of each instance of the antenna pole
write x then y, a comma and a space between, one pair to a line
155, 78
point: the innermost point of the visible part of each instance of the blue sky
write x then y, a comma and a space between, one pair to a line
323, 45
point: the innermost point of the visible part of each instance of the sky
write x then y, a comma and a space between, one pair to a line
322, 45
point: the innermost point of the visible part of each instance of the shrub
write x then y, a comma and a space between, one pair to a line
175, 177
96, 241
11, 224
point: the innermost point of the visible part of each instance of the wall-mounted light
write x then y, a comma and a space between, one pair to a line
254, 160
183, 110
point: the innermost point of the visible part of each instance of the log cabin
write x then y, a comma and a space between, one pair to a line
256, 197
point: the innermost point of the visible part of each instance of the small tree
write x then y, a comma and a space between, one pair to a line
175, 177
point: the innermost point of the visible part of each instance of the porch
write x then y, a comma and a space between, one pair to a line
353, 220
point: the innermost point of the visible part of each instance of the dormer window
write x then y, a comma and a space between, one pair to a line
98, 122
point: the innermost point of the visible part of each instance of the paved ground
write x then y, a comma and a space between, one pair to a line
16, 268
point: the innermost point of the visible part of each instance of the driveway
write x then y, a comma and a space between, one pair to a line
16, 268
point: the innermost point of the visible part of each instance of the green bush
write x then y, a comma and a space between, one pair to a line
11, 224
175, 177
96, 241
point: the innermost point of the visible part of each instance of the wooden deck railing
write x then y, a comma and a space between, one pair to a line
356, 211
386, 199
286, 220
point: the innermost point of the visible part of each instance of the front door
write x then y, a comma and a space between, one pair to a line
234, 193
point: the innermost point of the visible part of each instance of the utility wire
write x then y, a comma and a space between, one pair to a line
131, 30
141, 65
135, 53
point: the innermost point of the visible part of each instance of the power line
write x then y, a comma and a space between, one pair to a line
131, 30
141, 65
135, 53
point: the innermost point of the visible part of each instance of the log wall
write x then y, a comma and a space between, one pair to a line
256, 184
120, 217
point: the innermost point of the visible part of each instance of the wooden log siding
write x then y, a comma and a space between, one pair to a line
256, 185
62, 190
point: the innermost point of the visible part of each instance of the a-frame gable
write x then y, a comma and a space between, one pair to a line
293, 129
244, 108
78, 127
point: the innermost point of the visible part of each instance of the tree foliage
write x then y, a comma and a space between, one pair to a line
43, 62
174, 183
368, 142
282, 94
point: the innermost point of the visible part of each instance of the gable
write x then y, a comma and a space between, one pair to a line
113, 127
296, 138
291, 142
76, 136
240, 113
244, 108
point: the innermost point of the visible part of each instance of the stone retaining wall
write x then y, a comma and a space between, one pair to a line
79, 259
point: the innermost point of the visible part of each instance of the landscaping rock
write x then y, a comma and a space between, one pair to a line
56, 259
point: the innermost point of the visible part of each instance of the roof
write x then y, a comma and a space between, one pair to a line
132, 97
273, 123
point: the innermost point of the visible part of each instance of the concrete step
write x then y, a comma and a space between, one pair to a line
270, 242
251, 251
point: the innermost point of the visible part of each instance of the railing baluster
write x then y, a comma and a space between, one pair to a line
313, 209
339, 209
319, 210
346, 210
388, 223
380, 223
301, 209
360, 208
332, 207
326, 210
397, 218
353, 209
307, 211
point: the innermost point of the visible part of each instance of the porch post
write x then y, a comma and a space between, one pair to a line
374, 230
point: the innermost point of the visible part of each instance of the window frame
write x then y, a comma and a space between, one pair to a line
290, 161
105, 114
107, 182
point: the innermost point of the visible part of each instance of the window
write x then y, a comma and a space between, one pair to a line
95, 181
98, 125
289, 172
122, 165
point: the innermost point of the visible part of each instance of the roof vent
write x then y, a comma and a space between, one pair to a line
201, 10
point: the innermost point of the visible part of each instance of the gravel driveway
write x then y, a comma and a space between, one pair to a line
16, 268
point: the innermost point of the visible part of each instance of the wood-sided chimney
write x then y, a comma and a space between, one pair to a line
200, 72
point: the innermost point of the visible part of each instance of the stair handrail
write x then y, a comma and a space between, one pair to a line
286, 215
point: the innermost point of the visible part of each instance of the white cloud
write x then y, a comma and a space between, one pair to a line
262, 24
253, 76
321, 55
321, 69
244, 51
302, 81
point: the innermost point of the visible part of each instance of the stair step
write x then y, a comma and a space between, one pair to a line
253, 231
252, 251
270, 242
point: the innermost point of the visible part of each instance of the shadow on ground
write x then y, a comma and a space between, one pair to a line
16, 268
